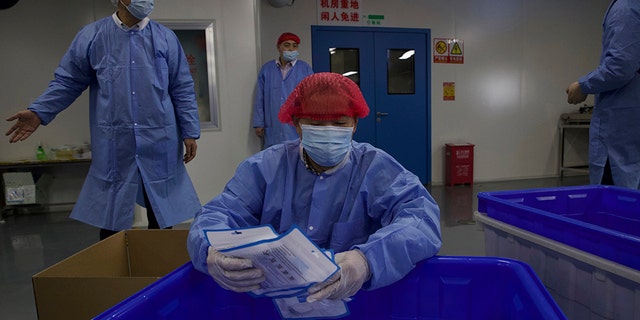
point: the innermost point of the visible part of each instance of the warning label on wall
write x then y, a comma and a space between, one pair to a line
448, 50
448, 91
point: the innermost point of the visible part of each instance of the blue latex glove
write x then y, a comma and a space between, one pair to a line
231, 273
354, 272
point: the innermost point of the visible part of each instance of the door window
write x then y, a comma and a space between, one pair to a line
346, 61
401, 77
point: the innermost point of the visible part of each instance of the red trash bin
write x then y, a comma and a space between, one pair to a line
458, 163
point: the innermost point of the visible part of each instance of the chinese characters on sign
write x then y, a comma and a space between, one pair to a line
340, 12
448, 51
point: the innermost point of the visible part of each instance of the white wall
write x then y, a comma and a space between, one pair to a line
519, 58
34, 36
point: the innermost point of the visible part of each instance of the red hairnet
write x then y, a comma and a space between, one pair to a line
324, 96
288, 36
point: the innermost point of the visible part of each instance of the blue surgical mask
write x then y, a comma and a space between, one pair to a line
326, 145
290, 55
140, 8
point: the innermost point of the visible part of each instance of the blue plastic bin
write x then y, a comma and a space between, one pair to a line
601, 220
438, 288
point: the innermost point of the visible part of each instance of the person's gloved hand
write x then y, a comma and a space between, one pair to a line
354, 272
231, 273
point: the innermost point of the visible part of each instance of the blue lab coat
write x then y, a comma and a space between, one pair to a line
142, 105
616, 85
271, 92
370, 202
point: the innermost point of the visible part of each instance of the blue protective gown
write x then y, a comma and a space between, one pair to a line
616, 85
271, 92
371, 203
142, 106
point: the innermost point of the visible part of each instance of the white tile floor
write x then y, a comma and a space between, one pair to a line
32, 241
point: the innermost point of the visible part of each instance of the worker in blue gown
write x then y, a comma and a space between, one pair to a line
142, 110
347, 196
276, 79
614, 142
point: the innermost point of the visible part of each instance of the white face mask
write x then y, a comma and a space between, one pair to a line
290, 55
140, 8
326, 145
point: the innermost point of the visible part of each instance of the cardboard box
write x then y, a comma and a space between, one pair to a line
100, 276
19, 188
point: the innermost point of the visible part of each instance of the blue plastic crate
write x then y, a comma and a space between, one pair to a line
438, 288
601, 220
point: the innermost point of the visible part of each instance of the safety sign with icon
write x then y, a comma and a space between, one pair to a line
448, 50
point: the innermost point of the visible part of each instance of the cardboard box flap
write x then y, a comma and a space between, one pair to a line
106, 258
156, 252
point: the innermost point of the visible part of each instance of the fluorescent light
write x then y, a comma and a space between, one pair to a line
349, 73
407, 55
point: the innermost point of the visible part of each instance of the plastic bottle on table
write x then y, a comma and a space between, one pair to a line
40, 154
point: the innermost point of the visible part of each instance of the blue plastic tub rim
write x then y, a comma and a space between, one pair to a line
492, 197
528, 276
566, 188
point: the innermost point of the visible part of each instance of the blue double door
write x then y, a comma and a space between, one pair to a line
391, 66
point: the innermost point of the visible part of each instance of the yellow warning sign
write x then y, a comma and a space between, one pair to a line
448, 91
456, 49
441, 47
456, 54
440, 50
